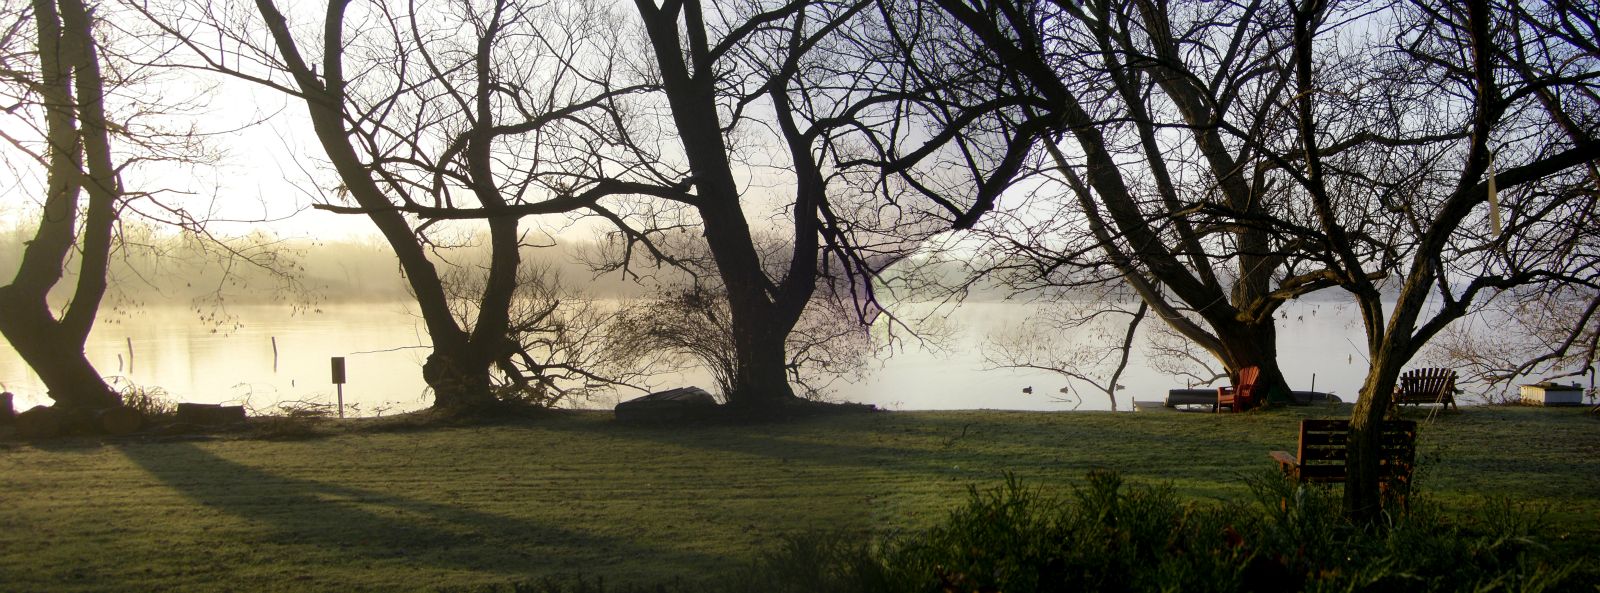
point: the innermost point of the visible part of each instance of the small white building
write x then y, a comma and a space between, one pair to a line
1552, 394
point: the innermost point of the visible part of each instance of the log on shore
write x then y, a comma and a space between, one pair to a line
209, 414
118, 420
40, 422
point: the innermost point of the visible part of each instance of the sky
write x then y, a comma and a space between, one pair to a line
261, 180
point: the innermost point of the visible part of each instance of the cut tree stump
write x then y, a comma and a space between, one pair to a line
40, 422
118, 421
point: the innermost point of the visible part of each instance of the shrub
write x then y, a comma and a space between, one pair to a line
152, 402
834, 562
565, 585
1106, 536
291, 420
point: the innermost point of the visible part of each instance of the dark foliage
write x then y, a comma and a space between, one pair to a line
1107, 536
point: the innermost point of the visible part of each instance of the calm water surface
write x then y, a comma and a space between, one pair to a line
196, 361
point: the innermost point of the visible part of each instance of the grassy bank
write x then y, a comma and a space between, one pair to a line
417, 510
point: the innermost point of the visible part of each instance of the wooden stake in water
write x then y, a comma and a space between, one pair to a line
274, 355
130, 355
338, 381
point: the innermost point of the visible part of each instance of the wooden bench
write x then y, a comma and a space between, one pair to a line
1426, 386
1324, 447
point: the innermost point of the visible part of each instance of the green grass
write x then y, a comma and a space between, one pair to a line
579, 494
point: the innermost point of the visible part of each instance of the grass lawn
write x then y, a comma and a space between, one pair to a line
365, 510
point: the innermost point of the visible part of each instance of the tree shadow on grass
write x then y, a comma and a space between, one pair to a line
346, 523
982, 446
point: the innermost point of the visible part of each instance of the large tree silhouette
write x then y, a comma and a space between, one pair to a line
1316, 145
732, 115
66, 85
1141, 99
1493, 97
425, 115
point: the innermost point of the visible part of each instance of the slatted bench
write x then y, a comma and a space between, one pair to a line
1426, 386
1323, 448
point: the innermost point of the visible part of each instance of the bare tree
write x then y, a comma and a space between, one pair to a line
800, 113
103, 139
1315, 145
483, 111
694, 324
716, 65
1476, 88
1140, 100
562, 346
740, 112
1547, 335
63, 85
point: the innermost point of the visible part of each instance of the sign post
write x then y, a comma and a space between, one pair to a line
338, 381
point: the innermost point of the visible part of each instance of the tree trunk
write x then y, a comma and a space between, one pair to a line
1245, 345
760, 325
458, 369
54, 355
460, 381
761, 379
54, 347
1390, 346
1362, 494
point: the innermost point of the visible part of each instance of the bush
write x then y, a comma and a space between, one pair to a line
291, 420
1107, 536
564, 585
152, 402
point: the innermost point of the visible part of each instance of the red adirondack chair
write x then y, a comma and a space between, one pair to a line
1241, 396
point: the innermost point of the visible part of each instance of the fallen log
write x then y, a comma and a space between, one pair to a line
40, 422
209, 414
230, 414
118, 420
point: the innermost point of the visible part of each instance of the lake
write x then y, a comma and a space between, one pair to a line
270, 354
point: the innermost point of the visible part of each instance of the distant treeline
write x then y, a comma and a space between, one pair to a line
152, 267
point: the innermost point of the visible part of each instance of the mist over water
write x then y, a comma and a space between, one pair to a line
218, 347
196, 359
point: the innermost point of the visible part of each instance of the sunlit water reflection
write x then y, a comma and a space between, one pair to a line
195, 361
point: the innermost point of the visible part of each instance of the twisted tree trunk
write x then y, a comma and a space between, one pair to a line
71, 89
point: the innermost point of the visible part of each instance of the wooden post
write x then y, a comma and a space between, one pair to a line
7, 412
274, 355
338, 381
130, 355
